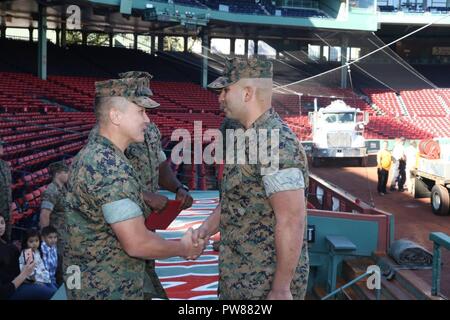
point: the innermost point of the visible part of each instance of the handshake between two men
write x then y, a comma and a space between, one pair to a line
194, 242
200, 236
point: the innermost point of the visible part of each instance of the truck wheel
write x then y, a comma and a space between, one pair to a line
420, 189
440, 200
316, 162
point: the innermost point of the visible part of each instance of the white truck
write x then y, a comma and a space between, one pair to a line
432, 179
337, 132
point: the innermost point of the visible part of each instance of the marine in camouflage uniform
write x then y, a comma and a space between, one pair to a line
103, 189
53, 197
247, 225
5, 192
247, 261
53, 206
146, 157
101, 179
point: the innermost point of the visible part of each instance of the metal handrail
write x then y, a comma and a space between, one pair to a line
349, 284
439, 240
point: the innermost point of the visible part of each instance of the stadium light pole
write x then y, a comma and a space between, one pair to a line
42, 42
205, 48
299, 103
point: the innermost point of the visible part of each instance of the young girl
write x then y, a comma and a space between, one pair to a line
40, 274
12, 281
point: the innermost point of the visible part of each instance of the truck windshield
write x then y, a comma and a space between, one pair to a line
346, 117
340, 117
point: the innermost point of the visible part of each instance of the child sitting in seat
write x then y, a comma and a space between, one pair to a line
40, 274
50, 254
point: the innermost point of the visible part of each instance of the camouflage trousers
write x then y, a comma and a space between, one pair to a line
298, 293
250, 285
155, 289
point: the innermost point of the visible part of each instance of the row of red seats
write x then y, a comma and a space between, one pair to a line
41, 144
28, 90
385, 100
27, 206
391, 128
46, 156
423, 102
436, 126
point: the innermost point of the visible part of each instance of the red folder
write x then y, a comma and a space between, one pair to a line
161, 220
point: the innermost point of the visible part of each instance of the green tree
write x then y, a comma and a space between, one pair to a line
98, 39
173, 44
94, 39
73, 37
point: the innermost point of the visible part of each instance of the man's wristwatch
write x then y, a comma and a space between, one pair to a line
183, 186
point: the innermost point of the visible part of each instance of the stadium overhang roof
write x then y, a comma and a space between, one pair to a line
95, 17
126, 16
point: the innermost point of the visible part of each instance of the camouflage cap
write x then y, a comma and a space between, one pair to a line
242, 68
56, 167
132, 85
136, 74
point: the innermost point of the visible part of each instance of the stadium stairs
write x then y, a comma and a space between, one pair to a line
395, 285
